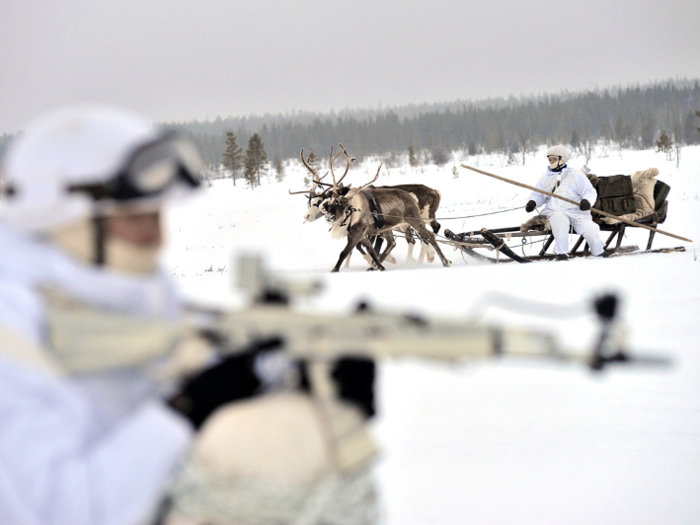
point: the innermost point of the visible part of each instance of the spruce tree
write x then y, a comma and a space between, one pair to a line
678, 142
279, 170
255, 161
232, 155
575, 140
664, 144
412, 156
621, 132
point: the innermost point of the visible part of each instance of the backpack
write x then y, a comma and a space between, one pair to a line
615, 195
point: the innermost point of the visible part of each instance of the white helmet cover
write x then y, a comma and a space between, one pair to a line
68, 147
561, 152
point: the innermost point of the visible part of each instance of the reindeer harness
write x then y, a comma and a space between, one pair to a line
375, 209
348, 213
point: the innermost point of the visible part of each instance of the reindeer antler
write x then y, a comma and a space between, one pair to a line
308, 167
317, 179
374, 179
349, 160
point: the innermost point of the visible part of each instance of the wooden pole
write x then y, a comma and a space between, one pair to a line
599, 212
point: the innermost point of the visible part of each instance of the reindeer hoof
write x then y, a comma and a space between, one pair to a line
371, 269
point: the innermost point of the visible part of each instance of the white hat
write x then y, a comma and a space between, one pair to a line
53, 169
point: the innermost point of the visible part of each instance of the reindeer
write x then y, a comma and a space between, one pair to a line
316, 199
428, 203
351, 215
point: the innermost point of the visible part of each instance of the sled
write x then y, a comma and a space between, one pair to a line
498, 239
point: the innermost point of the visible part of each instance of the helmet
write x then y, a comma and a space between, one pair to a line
81, 162
561, 152
75, 166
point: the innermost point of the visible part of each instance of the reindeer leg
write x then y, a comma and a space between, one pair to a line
386, 256
427, 251
435, 225
430, 253
445, 261
411, 240
352, 242
428, 237
378, 241
390, 243
347, 260
365, 255
377, 247
371, 251
421, 257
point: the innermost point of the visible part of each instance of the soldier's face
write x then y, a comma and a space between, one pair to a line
140, 229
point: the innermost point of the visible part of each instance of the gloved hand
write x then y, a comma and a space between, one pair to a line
354, 378
585, 205
232, 379
531, 205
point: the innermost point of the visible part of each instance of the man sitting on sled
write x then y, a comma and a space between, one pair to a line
572, 184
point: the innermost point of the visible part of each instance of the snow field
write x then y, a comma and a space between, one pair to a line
504, 441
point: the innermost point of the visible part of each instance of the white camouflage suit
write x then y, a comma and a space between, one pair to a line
572, 184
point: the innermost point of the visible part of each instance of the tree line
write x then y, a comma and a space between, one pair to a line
633, 117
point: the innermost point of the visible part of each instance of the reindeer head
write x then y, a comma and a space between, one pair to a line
335, 207
314, 212
317, 199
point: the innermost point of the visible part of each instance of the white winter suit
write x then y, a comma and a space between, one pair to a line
85, 438
574, 185
92, 447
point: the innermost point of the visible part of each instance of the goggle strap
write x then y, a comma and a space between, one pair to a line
96, 191
187, 177
99, 240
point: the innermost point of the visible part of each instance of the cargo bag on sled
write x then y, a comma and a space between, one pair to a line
615, 195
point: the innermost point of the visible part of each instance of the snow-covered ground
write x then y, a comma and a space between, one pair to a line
509, 441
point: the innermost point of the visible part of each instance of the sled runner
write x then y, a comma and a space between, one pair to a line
639, 195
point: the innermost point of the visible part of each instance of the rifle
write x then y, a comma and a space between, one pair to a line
324, 337
320, 339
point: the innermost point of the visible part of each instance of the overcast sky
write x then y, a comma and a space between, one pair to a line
175, 60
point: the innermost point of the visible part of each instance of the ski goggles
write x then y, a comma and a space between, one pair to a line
149, 170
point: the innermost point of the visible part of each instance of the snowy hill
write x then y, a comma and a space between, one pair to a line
510, 441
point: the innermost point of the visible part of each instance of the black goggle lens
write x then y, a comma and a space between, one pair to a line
151, 169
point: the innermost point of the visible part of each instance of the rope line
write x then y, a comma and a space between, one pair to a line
444, 240
439, 218
480, 214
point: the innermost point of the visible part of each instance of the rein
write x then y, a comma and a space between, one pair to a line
348, 214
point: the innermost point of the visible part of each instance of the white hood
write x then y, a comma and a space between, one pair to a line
28, 264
